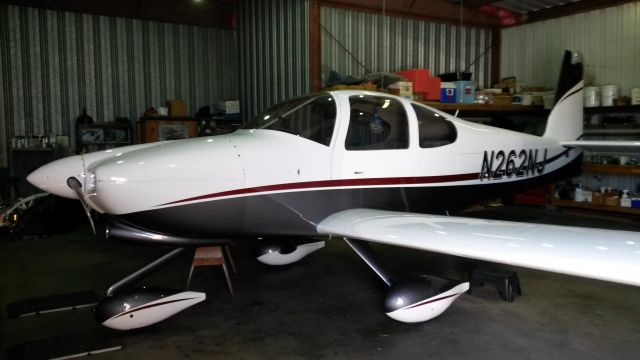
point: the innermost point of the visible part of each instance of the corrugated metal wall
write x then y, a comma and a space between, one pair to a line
274, 57
609, 40
392, 43
52, 64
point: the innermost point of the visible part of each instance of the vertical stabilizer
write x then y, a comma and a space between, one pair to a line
565, 119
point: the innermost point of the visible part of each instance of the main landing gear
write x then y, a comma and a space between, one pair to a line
414, 299
125, 308
284, 252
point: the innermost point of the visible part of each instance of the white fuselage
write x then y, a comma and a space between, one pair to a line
261, 172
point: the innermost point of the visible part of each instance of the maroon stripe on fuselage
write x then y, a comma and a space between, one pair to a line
414, 180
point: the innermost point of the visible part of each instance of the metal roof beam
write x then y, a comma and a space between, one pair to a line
571, 8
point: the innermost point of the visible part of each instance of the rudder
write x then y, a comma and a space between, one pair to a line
565, 119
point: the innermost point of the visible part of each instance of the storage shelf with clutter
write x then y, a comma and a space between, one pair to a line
595, 207
456, 93
611, 169
611, 186
106, 135
170, 122
483, 110
609, 183
173, 122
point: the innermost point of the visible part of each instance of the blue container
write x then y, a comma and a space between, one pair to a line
465, 92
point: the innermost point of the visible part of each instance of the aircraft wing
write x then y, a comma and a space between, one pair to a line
605, 147
594, 253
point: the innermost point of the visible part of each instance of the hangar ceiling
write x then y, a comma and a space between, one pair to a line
222, 13
480, 12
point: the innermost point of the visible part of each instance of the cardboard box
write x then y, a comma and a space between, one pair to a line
177, 107
229, 106
502, 99
509, 82
597, 198
402, 88
154, 129
612, 200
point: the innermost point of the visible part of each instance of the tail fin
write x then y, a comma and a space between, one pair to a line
565, 119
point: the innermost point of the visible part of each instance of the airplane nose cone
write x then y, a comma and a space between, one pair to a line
53, 176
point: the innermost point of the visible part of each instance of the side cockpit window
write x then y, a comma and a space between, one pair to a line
376, 123
312, 117
433, 129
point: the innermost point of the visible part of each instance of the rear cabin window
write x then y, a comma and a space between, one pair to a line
433, 129
377, 123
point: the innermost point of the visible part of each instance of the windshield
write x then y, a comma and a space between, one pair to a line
312, 117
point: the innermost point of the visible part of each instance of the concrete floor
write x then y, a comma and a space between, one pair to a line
328, 305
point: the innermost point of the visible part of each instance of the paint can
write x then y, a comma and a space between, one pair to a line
591, 96
635, 96
608, 93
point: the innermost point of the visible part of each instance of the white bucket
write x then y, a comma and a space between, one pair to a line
591, 96
635, 96
608, 93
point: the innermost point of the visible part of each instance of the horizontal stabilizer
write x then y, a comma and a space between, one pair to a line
605, 147
594, 253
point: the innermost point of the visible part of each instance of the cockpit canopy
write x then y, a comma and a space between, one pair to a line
376, 122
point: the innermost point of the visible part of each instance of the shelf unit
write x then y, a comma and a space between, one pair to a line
605, 131
521, 118
602, 169
611, 169
625, 131
94, 137
612, 109
160, 128
488, 110
596, 207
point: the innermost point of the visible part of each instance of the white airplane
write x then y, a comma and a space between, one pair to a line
358, 165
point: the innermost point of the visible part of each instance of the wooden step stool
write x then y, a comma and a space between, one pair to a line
210, 256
